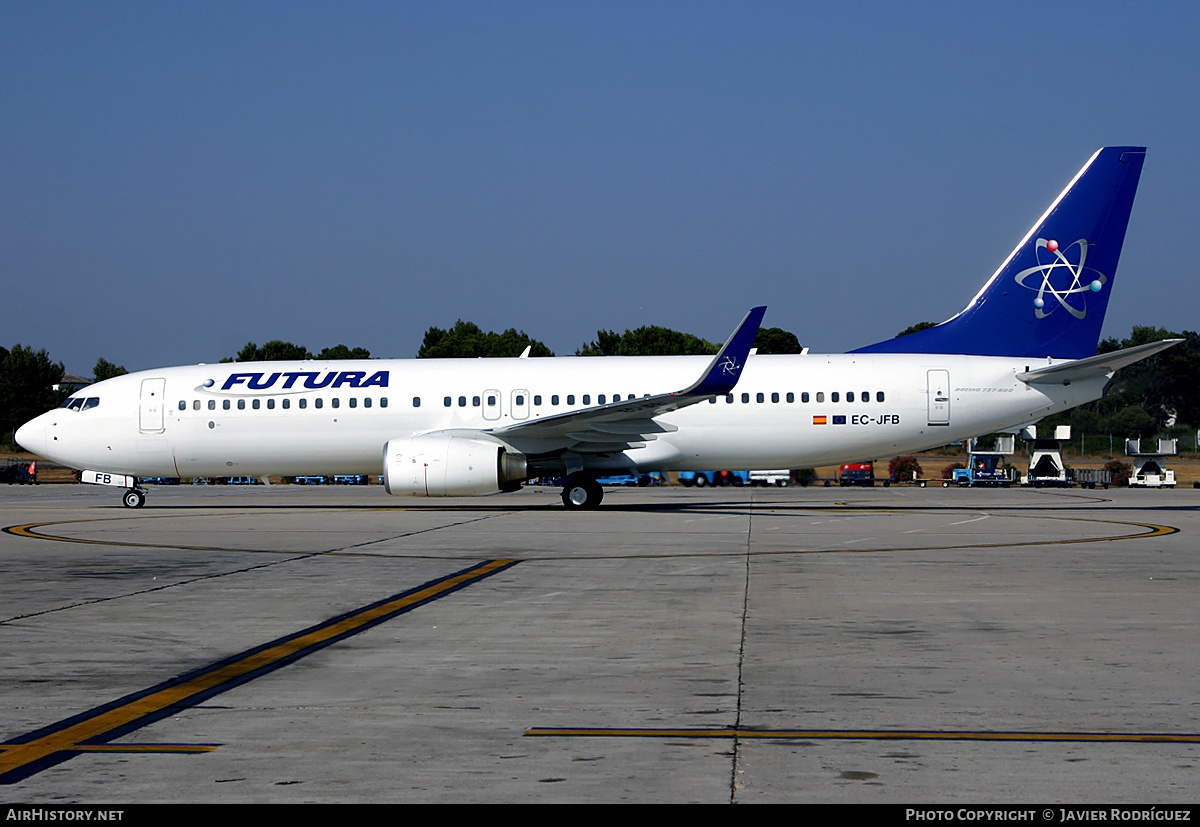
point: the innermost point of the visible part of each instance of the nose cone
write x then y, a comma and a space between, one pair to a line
32, 436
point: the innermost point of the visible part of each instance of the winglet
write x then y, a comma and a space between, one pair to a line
726, 367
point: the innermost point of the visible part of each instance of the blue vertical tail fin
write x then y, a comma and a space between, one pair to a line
1049, 296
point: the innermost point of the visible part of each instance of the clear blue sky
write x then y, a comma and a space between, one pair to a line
179, 178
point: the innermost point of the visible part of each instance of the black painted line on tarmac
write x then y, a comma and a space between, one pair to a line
866, 735
29, 530
91, 731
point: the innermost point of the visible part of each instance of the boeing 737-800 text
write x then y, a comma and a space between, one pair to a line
1022, 349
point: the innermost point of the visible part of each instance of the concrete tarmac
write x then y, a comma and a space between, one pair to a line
333, 644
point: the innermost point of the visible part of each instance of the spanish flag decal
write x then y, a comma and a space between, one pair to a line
819, 420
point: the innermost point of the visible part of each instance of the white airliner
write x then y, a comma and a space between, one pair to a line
1022, 349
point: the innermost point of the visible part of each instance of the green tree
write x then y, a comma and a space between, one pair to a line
914, 328
105, 369
27, 378
650, 340
273, 351
1144, 397
777, 340
342, 352
467, 341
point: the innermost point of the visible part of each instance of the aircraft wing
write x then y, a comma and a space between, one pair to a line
1094, 366
621, 425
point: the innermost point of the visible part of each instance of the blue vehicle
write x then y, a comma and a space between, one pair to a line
350, 479
985, 469
702, 479
653, 478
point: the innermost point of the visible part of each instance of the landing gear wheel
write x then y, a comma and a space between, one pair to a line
134, 498
582, 493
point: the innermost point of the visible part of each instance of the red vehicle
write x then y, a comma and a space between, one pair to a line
857, 473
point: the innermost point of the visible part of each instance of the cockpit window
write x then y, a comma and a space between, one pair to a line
79, 403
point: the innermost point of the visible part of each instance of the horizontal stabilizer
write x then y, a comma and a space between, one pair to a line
1094, 366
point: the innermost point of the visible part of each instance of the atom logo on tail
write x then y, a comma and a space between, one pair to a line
1061, 279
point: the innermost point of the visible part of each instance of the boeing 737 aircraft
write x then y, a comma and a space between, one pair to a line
1022, 349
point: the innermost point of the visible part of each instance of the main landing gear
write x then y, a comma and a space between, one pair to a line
582, 493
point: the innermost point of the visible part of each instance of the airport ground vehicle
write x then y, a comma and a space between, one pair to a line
857, 473
780, 478
642, 480
1149, 466
700, 479
1092, 477
985, 469
13, 472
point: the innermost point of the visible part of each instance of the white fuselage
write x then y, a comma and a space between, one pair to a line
312, 417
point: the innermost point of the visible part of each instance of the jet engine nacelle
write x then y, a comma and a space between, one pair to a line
448, 464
